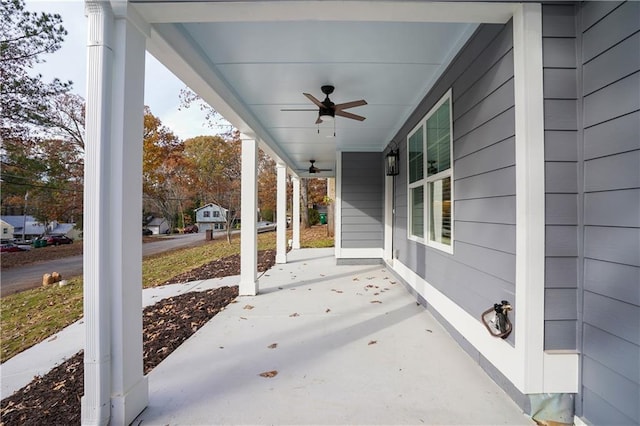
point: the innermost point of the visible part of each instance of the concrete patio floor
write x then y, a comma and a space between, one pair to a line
350, 346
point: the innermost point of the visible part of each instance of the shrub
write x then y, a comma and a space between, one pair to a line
314, 217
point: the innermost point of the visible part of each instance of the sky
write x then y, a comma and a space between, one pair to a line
162, 88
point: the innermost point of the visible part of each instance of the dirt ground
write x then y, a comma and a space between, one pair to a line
54, 399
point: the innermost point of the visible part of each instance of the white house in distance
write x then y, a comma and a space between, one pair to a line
7, 230
211, 216
158, 225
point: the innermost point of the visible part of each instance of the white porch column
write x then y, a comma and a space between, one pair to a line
281, 230
295, 219
115, 389
249, 228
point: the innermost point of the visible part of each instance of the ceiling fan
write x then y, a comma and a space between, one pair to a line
327, 110
313, 169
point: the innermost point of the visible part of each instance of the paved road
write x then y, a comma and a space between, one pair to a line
23, 278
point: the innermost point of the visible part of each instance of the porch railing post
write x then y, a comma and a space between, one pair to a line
248, 215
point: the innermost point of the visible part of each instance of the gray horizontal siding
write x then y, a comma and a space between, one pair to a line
561, 109
620, 134
612, 208
612, 65
622, 394
361, 200
610, 388
489, 210
481, 271
613, 280
603, 35
560, 145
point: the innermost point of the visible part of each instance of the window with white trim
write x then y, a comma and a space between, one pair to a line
430, 194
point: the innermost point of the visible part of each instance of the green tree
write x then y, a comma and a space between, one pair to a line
24, 37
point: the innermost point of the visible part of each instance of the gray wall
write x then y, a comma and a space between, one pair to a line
561, 176
482, 269
362, 200
609, 166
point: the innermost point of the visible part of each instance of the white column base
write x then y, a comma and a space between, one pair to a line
125, 408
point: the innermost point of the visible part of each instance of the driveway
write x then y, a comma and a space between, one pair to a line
23, 278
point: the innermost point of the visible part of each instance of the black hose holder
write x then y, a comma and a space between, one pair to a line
496, 319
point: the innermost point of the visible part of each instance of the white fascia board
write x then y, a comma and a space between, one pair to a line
371, 11
171, 47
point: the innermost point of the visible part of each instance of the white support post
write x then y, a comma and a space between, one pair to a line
281, 229
530, 216
116, 390
295, 219
388, 219
249, 227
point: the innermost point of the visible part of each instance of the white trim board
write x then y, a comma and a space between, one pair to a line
560, 368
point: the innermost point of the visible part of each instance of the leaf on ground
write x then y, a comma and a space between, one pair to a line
295, 314
376, 301
337, 291
430, 331
273, 346
52, 339
356, 279
269, 374
242, 318
327, 311
373, 342
248, 307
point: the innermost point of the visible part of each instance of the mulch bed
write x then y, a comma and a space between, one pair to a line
54, 399
223, 268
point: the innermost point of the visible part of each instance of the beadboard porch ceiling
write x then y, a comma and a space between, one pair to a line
249, 60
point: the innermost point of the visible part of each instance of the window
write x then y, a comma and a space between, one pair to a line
216, 213
206, 213
430, 196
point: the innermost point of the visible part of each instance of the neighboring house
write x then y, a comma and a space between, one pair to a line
32, 228
158, 225
518, 135
211, 217
7, 230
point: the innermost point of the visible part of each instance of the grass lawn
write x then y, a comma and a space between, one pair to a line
29, 317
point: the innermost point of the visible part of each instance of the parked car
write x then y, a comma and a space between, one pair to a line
266, 226
147, 231
56, 240
191, 229
10, 248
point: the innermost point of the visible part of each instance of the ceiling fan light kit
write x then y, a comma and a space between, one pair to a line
327, 110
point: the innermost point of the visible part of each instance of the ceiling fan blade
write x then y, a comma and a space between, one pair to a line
351, 116
352, 104
314, 100
293, 109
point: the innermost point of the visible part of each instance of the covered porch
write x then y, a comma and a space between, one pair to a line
350, 346
255, 62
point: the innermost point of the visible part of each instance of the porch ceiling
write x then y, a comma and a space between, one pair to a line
249, 60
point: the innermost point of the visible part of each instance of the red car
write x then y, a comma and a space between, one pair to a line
10, 248
191, 229
56, 240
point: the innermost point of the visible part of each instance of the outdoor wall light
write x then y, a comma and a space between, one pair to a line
393, 163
